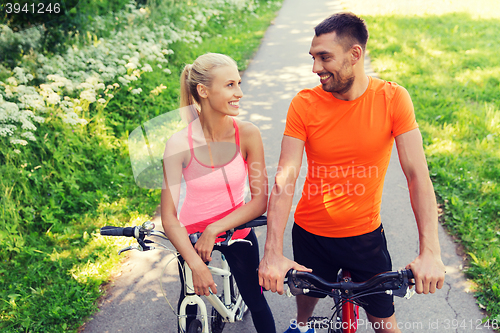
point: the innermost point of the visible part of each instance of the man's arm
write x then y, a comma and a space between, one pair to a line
274, 265
428, 267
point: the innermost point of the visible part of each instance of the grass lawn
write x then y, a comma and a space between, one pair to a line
446, 54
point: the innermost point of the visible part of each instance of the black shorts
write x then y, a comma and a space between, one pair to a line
364, 256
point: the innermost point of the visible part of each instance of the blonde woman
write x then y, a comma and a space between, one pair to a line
215, 154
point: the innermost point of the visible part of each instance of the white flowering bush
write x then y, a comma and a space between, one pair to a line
76, 80
14, 43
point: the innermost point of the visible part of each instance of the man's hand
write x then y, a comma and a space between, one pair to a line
272, 271
428, 270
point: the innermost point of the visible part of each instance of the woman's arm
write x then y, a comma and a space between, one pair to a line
172, 174
253, 149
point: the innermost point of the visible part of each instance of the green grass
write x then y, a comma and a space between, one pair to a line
450, 66
58, 192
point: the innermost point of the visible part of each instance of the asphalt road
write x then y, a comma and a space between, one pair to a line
281, 68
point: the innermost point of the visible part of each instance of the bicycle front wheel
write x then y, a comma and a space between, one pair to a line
195, 327
217, 322
235, 294
335, 325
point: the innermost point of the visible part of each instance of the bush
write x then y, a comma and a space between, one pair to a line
64, 164
59, 22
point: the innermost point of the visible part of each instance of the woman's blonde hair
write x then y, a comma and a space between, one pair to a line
200, 72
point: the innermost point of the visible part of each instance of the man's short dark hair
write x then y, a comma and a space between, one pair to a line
349, 28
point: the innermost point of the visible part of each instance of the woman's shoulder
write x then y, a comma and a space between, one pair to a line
250, 138
178, 142
247, 129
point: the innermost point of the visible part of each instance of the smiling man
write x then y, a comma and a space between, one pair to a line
347, 126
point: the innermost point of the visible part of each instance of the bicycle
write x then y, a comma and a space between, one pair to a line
346, 294
228, 307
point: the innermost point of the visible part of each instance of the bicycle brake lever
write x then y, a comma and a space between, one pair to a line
295, 291
409, 293
288, 292
128, 248
232, 241
143, 246
403, 292
138, 248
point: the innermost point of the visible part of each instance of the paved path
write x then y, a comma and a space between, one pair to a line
281, 68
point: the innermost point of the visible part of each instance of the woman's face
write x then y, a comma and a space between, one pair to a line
225, 92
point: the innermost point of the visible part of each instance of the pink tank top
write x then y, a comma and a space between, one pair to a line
213, 192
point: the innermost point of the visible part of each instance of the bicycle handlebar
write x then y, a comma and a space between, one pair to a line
257, 222
147, 229
303, 282
117, 231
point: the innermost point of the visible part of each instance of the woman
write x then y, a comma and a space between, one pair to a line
215, 154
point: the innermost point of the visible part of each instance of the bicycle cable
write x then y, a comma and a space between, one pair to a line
176, 255
357, 296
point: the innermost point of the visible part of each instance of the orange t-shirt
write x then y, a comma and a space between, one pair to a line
348, 146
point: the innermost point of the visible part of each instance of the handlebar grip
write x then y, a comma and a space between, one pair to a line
409, 273
117, 231
257, 222
298, 282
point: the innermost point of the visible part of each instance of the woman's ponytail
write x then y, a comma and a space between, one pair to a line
186, 96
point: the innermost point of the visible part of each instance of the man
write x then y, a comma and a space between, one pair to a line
348, 125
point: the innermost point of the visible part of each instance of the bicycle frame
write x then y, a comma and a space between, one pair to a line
229, 315
228, 310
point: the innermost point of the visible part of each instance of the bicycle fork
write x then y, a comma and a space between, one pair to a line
226, 309
191, 299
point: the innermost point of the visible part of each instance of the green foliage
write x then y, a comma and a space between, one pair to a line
56, 192
450, 66
54, 197
59, 21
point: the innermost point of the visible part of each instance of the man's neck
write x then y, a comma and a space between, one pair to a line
358, 88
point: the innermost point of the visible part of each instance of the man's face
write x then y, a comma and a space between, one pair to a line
332, 63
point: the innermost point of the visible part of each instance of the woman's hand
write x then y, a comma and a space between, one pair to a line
205, 244
203, 280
